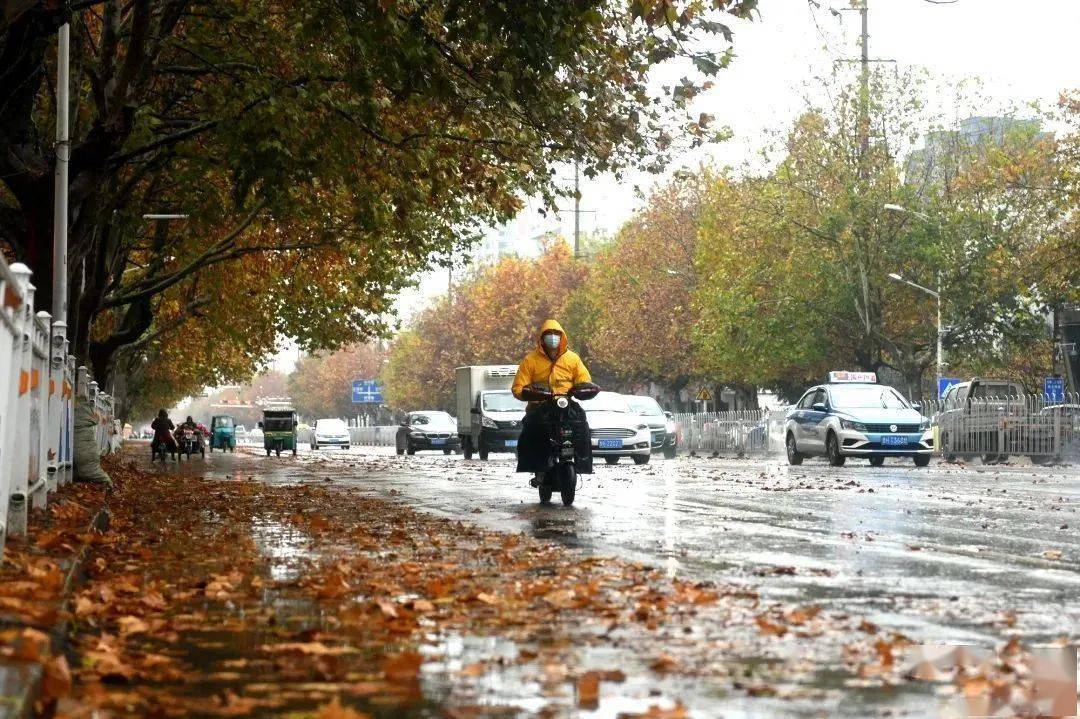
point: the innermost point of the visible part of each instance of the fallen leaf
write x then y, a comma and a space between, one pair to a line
334, 710
588, 690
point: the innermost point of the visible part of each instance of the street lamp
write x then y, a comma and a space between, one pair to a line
937, 296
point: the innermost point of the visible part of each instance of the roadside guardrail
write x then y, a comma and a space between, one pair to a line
39, 385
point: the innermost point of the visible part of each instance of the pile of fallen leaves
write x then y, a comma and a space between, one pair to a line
33, 578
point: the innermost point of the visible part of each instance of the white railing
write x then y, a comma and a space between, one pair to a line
739, 433
38, 387
999, 427
378, 436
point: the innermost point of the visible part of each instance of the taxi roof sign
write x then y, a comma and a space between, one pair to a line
844, 376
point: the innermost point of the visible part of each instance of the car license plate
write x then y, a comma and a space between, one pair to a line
438, 440
511, 443
893, 440
610, 444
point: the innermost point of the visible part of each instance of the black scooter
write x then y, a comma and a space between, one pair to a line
561, 473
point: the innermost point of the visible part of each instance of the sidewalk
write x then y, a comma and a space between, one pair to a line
38, 574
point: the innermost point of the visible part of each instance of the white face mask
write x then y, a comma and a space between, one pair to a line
551, 341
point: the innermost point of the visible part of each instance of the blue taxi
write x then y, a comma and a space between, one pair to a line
854, 416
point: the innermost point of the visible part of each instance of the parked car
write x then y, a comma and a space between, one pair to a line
854, 416
661, 424
330, 432
617, 431
427, 429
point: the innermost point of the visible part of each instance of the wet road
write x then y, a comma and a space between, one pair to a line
945, 554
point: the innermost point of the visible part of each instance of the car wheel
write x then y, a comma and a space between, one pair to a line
877, 461
922, 460
990, 459
832, 449
314, 446
483, 452
466, 447
410, 450
611, 460
277, 452
793, 456
669, 451
641, 459
447, 451
267, 453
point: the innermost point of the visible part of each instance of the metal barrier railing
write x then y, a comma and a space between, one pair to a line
740, 433
377, 436
999, 427
39, 385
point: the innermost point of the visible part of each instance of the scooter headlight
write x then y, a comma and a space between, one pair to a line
563, 402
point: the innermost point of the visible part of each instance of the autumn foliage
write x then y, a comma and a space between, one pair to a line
492, 318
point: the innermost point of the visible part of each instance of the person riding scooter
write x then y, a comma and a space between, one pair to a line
196, 428
554, 367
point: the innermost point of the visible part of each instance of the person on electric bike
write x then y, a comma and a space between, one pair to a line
552, 366
192, 426
163, 433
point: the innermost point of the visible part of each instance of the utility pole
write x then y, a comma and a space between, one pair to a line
60, 179
864, 90
577, 213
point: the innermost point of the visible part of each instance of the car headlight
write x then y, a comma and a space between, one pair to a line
857, 426
488, 422
416, 434
643, 427
924, 425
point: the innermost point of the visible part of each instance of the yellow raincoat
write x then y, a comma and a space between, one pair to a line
566, 371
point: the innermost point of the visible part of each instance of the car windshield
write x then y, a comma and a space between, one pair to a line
502, 402
985, 390
330, 425
866, 397
277, 424
432, 418
223, 422
646, 406
606, 402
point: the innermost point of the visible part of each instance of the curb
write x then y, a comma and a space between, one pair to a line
20, 681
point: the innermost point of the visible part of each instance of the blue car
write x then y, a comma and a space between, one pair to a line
854, 416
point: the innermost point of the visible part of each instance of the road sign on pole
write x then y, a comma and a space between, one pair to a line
366, 391
704, 395
944, 383
1054, 389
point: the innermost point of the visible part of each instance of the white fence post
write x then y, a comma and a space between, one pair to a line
19, 453
68, 419
12, 317
39, 410
55, 434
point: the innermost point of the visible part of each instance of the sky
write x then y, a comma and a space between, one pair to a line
1021, 51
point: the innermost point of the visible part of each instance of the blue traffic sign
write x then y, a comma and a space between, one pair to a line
1054, 389
944, 383
366, 391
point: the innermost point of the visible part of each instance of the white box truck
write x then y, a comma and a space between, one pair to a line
489, 416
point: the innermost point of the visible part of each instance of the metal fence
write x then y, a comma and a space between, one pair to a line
377, 436
739, 433
999, 427
39, 384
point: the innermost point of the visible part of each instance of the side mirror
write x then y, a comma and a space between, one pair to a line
260, 425
295, 424
819, 407
474, 410
669, 415
917, 406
